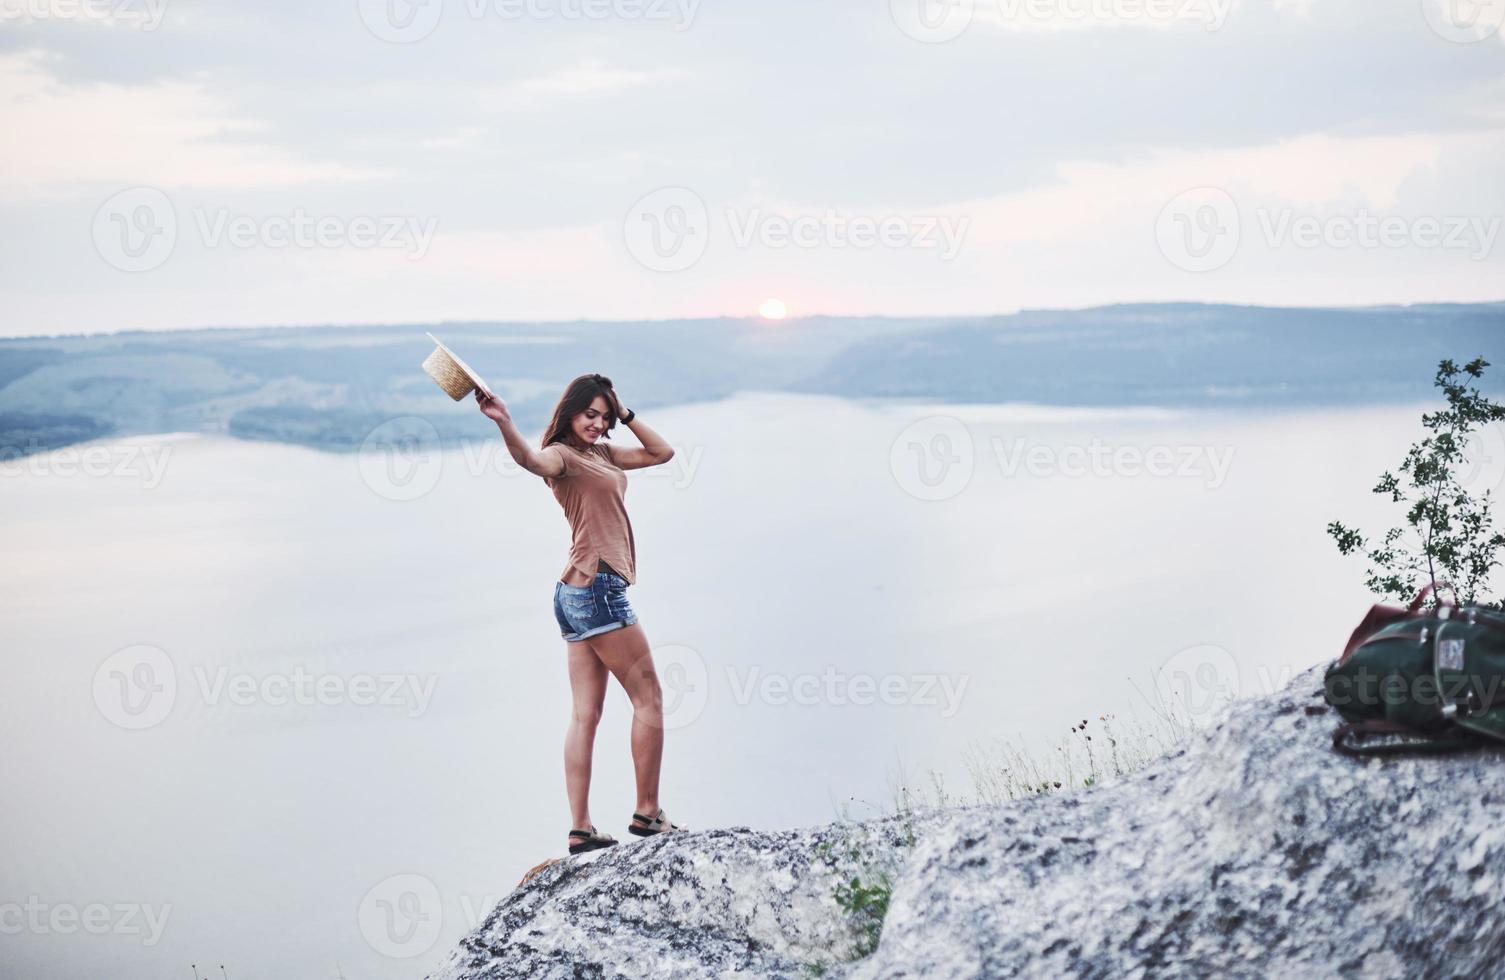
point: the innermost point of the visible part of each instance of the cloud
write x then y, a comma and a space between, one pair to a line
68, 139
582, 82
530, 141
1306, 172
1297, 8
594, 78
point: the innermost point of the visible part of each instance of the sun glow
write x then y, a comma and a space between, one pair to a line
772, 309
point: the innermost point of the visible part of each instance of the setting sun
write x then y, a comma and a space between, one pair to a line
772, 309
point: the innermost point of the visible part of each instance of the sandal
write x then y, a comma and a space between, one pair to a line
590, 840
658, 824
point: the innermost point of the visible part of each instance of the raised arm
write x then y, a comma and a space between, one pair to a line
535, 461
654, 449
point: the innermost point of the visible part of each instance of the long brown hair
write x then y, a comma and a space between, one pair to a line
576, 399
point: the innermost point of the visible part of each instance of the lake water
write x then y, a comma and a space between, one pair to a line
301, 714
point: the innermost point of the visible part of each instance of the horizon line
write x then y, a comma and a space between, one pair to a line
128, 331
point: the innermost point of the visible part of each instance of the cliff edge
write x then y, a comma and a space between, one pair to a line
1256, 852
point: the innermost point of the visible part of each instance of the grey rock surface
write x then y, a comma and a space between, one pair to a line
1256, 852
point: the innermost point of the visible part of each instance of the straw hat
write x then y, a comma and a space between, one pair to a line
451, 373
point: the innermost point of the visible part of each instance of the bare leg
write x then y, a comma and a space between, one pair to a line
587, 692
625, 653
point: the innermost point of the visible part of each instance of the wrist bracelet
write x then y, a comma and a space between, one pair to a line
627, 419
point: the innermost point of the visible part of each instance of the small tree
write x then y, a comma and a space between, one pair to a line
1455, 539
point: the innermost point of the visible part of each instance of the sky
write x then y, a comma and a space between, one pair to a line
172, 164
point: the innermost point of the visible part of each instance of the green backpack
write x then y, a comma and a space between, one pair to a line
1423, 681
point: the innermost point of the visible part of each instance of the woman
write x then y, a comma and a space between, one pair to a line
601, 631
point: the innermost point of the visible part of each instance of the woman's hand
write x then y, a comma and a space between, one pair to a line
491, 406
617, 404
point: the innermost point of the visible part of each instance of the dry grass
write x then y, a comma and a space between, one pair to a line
1090, 752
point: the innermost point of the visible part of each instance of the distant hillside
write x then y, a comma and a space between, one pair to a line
330, 386
1176, 355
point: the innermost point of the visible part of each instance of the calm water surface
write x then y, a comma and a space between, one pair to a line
306, 710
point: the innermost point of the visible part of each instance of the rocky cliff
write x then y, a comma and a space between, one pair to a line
1256, 852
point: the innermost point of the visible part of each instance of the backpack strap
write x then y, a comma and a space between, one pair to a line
1374, 737
1382, 614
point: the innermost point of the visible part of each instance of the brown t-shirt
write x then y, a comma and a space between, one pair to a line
592, 492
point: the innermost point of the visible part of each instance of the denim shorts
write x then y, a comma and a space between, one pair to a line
585, 610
